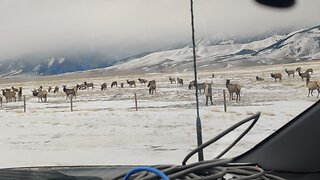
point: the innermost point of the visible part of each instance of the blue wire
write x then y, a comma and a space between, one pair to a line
145, 168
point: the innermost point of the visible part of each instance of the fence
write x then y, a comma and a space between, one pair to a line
71, 102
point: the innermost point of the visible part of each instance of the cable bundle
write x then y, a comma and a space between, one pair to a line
219, 169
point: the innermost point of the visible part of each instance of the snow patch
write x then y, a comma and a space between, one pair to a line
51, 61
61, 60
36, 68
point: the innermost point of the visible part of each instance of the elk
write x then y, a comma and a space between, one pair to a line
199, 86
88, 85
276, 76
104, 86
70, 92
233, 88
289, 72
303, 75
14, 89
20, 94
131, 83
180, 81
259, 78
49, 88
191, 84
310, 70
7, 89
41, 94
56, 89
208, 92
172, 79
143, 81
9, 95
312, 85
81, 86
152, 86
121, 85
114, 83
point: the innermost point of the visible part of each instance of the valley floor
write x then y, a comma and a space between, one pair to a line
105, 128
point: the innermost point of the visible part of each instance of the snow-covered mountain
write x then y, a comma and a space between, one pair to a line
301, 44
296, 46
35, 65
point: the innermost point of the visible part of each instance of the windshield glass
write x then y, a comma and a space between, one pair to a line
77, 77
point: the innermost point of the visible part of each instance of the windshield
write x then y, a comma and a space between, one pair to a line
77, 77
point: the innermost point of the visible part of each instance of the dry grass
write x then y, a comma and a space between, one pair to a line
268, 113
250, 113
251, 93
216, 110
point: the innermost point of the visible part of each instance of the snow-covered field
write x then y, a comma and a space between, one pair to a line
105, 128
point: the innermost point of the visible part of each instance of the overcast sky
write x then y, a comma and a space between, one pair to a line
123, 27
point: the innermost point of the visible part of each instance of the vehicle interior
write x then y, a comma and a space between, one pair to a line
289, 152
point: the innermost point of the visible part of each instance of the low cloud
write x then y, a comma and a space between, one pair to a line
123, 27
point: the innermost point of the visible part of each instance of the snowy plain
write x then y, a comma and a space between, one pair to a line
105, 128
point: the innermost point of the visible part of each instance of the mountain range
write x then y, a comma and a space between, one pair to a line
43, 65
302, 45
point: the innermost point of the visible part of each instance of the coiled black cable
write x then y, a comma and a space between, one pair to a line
218, 169
254, 117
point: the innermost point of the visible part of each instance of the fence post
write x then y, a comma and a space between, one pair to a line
71, 103
24, 104
135, 101
224, 101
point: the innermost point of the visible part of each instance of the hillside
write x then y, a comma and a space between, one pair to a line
297, 46
302, 45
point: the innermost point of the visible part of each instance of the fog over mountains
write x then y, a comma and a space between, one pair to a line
302, 45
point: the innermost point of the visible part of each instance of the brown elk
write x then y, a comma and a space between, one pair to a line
200, 86
180, 81
191, 84
310, 70
9, 95
172, 79
20, 94
104, 86
143, 81
152, 87
259, 78
81, 87
56, 89
208, 93
41, 94
88, 85
70, 92
276, 76
233, 88
131, 83
289, 72
14, 89
114, 83
312, 85
303, 75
